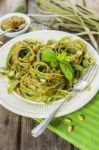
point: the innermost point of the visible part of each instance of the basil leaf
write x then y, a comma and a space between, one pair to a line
21, 9
61, 56
67, 70
54, 64
48, 55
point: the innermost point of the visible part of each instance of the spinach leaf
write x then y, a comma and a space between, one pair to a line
48, 55
67, 70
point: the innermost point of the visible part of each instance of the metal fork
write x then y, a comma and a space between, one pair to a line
83, 82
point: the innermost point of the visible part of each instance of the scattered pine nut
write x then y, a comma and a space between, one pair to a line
68, 120
70, 128
81, 117
43, 80
18, 91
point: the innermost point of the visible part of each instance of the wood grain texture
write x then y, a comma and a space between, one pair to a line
9, 126
47, 141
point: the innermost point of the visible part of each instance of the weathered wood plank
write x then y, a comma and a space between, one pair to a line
9, 126
47, 141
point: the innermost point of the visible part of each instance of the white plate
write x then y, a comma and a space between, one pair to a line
39, 110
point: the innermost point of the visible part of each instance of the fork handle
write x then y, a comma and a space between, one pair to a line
42, 126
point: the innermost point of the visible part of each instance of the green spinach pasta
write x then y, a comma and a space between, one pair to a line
45, 72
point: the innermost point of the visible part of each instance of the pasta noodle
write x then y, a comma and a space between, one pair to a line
45, 72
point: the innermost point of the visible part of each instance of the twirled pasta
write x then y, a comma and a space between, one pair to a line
42, 81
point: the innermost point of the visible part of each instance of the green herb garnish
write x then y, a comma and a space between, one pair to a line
21, 9
55, 60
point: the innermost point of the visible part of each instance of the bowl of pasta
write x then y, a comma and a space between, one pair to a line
39, 69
